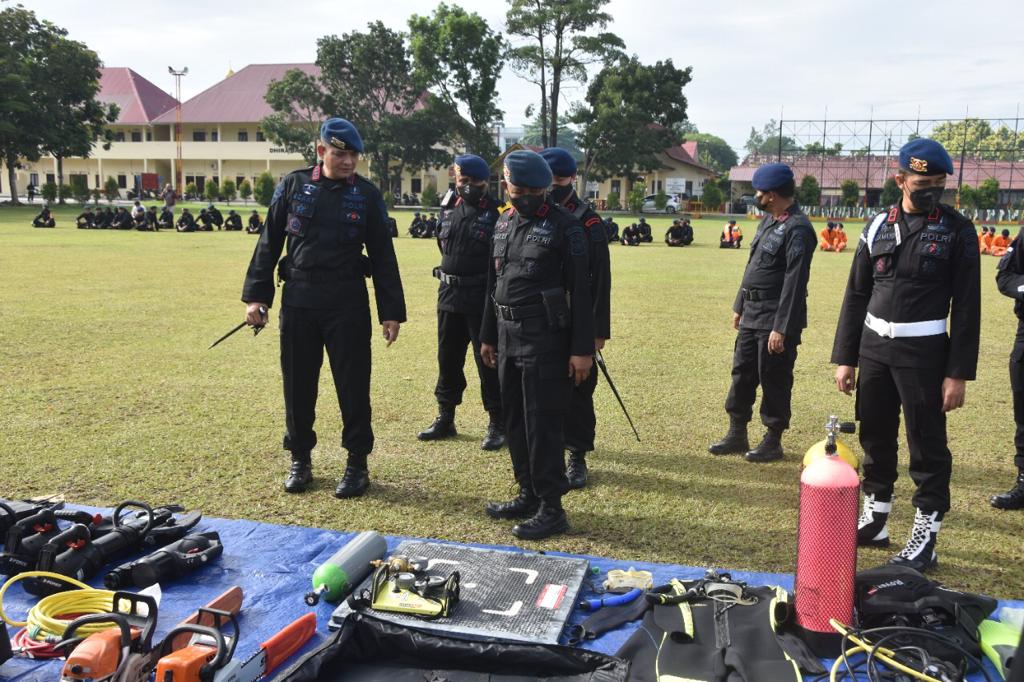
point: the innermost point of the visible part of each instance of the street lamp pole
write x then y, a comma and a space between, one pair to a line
177, 123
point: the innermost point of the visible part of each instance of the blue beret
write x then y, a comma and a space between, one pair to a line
473, 166
925, 157
771, 176
524, 168
337, 132
560, 161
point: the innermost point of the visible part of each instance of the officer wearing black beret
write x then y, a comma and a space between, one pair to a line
465, 244
581, 421
770, 313
916, 264
1010, 280
327, 214
538, 331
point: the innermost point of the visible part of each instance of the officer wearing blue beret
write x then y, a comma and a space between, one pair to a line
1010, 280
327, 214
581, 421
464, 240
916, 264
538, 331
770, 313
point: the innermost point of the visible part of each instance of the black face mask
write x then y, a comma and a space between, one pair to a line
560, 193
927, 199
762, 207
528, 204
471, 194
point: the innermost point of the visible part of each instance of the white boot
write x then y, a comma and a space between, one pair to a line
873, 526
919, 554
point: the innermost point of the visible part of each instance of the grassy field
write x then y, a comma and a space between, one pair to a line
107, 392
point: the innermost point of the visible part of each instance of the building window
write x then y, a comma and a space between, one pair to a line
417, 186
97, 179
617, 187
213, 136
33, 179
199, 136
136, 136
119, 136
238, 180
149, 136
122, 181
243, 135
51, 179
259, 136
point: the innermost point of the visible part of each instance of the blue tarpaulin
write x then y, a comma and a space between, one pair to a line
274, 565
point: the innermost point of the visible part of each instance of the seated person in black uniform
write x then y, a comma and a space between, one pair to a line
187, 222
255, 224
233, 222
152, 220
86, 219
215, 215
687, 232
122, 219
166, 218
612, 228
417, 226
645, 231
205, 220
393, 227
44, 219
631, 236
674, 234
431, 227
104, 218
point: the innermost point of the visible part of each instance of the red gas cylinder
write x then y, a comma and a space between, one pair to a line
826, 560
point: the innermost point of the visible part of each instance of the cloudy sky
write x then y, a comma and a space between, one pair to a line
750, 61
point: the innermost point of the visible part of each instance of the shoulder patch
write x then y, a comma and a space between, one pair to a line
278, 193
577, 244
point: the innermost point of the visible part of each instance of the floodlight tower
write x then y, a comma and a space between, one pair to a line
177, 122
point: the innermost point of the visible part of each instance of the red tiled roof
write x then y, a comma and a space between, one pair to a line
239, 98
139, 100
687, 153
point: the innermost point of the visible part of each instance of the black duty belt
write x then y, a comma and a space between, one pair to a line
520, 312
760, 294
290, 274
460, 280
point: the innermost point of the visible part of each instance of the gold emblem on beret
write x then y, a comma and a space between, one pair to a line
340, 144
458, 169
918, 165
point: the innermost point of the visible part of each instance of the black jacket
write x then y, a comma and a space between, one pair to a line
1010, 280
773, 293
464, 240
600, 263
326, 224
918, 268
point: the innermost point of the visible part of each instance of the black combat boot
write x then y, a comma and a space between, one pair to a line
872, 528
495, 438
919, 554
443, 425
356, 479
300, 475
734, 442
522, 506
769, 449
549, 520
1013, 498
576, 470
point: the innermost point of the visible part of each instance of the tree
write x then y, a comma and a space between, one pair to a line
891, 193
660, 200
245, 190
635, 198
612, 201
766, 142
987, 194
48, 192
428, 197
80, 188
809, 192
191, 191
264, 190
626, 120
563, 40
298, 103
712, 196
534, 132
850, 192
461, 58
111, 190
712, 151
818, 149
968, 196
211, 190
228, 191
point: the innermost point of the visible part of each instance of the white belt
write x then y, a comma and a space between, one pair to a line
899, 330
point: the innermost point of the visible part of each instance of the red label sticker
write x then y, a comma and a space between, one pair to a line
551, 596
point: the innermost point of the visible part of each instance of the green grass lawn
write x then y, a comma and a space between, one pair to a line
107, 392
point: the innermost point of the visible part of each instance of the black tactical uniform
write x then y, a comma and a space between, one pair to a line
612, 228
166, 218
645, 231
86, 219
326, 224
216, 217
464, 241
233, 222
581, 421
631, 235
104, 218
122, 220
255, 225
542, 314
772, 297
674, 236
44, 219
1010, 279
908, 268
187, 222
206, 219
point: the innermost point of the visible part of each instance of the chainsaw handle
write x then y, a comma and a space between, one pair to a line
289, 640
219, 659
116, 618
116, 516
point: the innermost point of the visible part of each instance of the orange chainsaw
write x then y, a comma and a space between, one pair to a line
209, 656
124, 653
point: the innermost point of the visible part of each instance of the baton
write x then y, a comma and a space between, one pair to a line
255, 330
611, 385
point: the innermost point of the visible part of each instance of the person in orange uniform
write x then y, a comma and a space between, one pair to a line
827, 237
732, 237
1000, 243
839, 239
985, 240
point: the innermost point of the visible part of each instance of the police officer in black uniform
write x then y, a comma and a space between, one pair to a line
645, 231
186, 221
539, 333
465, 244
233, 223
581, 421
86, 219
631, 236
255, 224
676, 234
1010, 280
327, 214
770, 313
216, 217
166, 218
612, 228
915, 265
